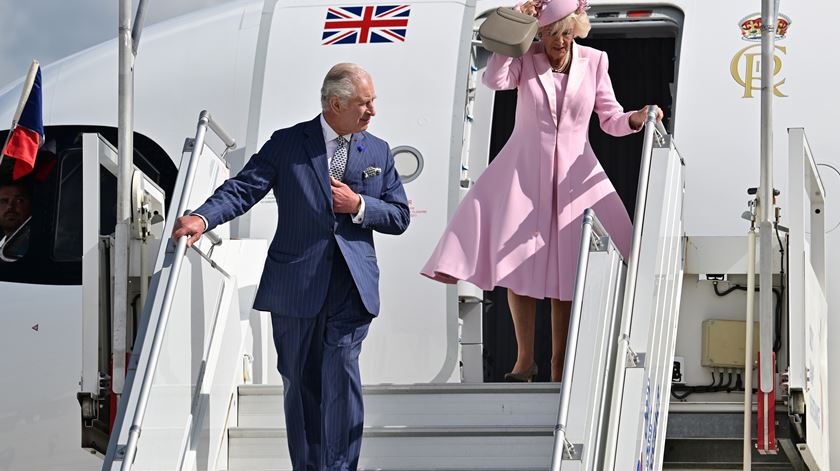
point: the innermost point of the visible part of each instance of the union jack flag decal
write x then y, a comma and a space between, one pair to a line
366, 24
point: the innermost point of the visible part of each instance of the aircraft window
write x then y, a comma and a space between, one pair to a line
408, 162
67, 238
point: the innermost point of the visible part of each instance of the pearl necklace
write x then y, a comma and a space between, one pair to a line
562, 69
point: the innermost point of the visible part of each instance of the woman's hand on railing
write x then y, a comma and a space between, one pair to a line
637, 119
192, 226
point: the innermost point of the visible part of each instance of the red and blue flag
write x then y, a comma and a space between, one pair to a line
366, 24
28, 134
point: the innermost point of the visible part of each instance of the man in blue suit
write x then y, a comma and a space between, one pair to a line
334, 184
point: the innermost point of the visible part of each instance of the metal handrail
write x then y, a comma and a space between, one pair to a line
592, 227
130, 450
660, 129
230, 142
214, 241
652, 127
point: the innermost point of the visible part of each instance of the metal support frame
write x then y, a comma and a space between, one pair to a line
804, 179
594, 238
129, 452
765, 200
766, 213
593, 230
807, 287
129, 42
748, 350
652, 128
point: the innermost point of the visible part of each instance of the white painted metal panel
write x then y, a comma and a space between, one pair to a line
201, 364
41, 338
509, 449
808, 309
201, 355
711, 255
92, 147
168, 415
721, 255
211, 171
592, 380
439, 405
817, 399
655, 314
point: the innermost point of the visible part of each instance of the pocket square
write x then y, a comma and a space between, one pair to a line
371, 172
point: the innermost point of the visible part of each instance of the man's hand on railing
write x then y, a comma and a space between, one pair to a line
192, 226
637, 119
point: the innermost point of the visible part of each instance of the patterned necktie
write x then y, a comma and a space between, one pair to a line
339, 160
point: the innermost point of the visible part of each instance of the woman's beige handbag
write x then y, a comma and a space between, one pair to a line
508, 32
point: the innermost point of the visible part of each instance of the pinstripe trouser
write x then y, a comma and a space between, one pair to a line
318, 359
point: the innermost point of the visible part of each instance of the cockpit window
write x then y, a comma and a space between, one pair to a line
67, 235
29, 216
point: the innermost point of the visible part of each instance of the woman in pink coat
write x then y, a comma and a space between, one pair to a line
520, 225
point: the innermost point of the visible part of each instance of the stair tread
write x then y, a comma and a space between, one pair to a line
408, 431
396, 469
425, 388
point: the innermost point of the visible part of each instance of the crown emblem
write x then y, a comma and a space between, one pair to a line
751, 27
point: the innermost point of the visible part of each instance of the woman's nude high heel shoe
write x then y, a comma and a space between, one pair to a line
526, 377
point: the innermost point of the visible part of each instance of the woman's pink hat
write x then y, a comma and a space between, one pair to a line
549, 11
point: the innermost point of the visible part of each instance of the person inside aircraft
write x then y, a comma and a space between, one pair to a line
519, 227
15, 212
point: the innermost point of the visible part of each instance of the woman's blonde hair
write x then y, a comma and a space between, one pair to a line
578, 23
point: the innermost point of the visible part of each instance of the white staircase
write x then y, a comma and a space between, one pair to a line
411, 427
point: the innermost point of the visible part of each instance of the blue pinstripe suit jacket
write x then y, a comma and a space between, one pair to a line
293, 164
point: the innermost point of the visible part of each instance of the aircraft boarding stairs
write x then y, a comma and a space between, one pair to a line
201, 413
508, 426
196, 410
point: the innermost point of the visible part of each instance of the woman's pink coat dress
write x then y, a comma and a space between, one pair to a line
520, 225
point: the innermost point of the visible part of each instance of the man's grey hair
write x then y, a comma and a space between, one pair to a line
340, 82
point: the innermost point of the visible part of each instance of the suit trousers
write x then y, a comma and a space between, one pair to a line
318, 359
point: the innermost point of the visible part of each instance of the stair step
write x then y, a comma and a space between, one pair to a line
542, 468
410, 448
715, 439
425, 405
401, 469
